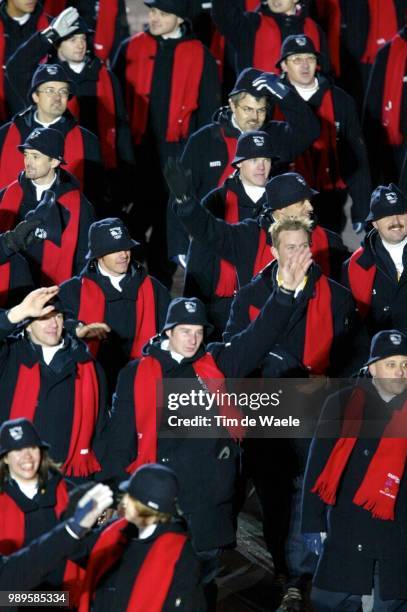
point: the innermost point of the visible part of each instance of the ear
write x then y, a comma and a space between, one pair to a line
284, 66
374, 223
372, 369
232, 104
274, 252
168, 333
55, 163
35, 97
180, 21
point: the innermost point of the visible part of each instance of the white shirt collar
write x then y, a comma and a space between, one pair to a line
146, 532
48, 352
45, 124
115, 280
165, 346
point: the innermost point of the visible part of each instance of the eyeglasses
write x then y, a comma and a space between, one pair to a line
302, 59
50, 92
248, 110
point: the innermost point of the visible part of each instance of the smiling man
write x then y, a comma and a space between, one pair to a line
376, 272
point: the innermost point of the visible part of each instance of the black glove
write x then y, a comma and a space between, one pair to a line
22, 236
271, 83
178, 179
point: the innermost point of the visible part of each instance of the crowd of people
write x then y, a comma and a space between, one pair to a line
230, 140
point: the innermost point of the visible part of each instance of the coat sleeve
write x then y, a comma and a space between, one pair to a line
239, 316
233, 22
209, 91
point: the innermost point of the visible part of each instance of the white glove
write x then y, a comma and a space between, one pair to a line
63, 25
92, 505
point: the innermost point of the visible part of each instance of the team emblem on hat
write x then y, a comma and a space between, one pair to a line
16, 432
116, 232
300, 40
258, 140
391, 197
52, 70
301, 180
41, 233
34, 134
153, 505
190, 307
395, 339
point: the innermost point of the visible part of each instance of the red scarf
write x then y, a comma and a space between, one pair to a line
105, 28
92, 304
361, 283
319, 331
148, 403
380, 485
81, 460
186, 79
231, 143
268, 41
12, 530
12, 160
320, 249
57, 262
383, 26
264, 255
227, 281
54, 7
393, 90
153, 581
5, 272
106, 115
42, 23
329, 14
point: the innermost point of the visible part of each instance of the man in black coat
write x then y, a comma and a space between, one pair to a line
210, 151
376, 274
49, 91
355, 487
98, 103
114, 289
336, 163
46, 191
15, 276
50, 378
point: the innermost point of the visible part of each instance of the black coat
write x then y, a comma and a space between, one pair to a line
292, 336
206, 469
21, 281
389, 294
240, 29
64, 183
54, 412
25, 122
355, 539
120, 312
114, 588
206, 154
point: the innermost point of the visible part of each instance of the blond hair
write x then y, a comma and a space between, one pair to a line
289, 225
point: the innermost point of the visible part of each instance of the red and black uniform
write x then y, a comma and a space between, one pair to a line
257, 35
385, 112
56, 259
171, 89
134, 315
210, 151
15, 277
107, 18
159, 572
24, 519
66, 400
206, 468
380, 295
82, 151
98, 106
12, 35
336, 164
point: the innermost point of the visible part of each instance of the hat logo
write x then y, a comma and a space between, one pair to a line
301, 41
52, 70
258, 140
395, 339
391, 197
34, 134
153, 505
190, 307
16, 432
40, 233
300, 180
116, 232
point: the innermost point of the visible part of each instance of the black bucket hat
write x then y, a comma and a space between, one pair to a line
50, 72
19, 433
108, 235
254, 144
47, 141
286, 189
187, 311
155, 486
386, 202
175, 7
296, 44
387, 343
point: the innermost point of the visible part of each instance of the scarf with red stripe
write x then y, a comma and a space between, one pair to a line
106, 116
54, 7
105, 28
227, 281
12, 160
81, 460
329, 14
187, 72
148, 403
383, 26
42, 24
361, 282
57, 261
268, 41
319, 331
12, 530
379, 488
153, 581
393, 90
5, 272
92, 305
